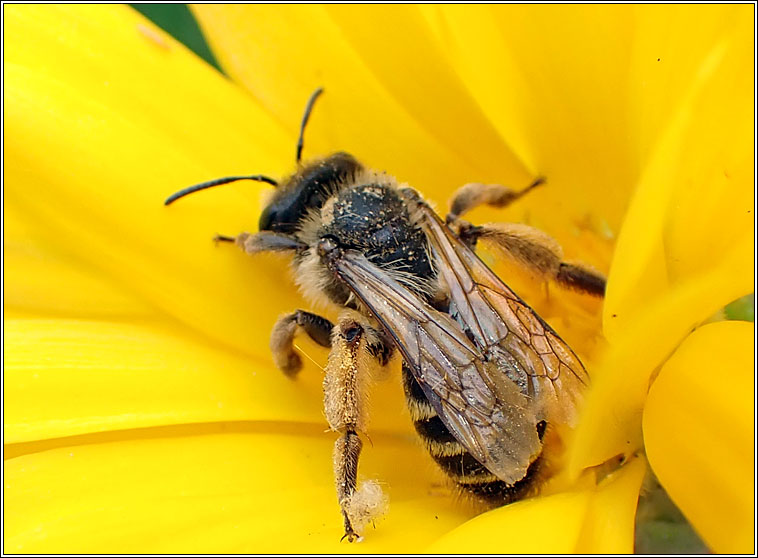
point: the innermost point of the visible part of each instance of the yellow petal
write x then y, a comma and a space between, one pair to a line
693, 207
68, 378
221, 491
94, 147
549, 525
610, 422
699, 427
588, 519
657, 291
414, 119
670, 44
555, 95
40, 281
609, 524
428, 70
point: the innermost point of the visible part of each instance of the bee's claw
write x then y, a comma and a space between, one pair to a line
350, 535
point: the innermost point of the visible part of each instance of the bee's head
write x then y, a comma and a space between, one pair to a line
307, 189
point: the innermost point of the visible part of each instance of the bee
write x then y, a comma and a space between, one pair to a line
486, 380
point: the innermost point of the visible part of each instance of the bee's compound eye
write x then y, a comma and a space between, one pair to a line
327, 245
268, 218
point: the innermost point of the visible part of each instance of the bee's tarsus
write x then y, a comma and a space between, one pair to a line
350, 535
581, 278
222, 238
539, 181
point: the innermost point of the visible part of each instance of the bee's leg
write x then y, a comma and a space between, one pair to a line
283, 335
536, 251
347, 448
474, 194
352, 364
262, 242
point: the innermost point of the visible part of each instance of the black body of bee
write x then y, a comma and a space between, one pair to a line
459, 464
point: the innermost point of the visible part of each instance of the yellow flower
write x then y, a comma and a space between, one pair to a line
142, 410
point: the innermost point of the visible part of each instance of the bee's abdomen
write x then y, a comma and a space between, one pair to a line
454, 459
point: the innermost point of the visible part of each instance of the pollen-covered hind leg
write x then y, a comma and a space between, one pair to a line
283, 336
352, 364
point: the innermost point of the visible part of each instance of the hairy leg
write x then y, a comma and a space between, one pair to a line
262, 242
536, 251
352, 366
283, 336
475, 194
527, 246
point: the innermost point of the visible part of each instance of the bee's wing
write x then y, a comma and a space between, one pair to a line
484, 410
490, 367
503, 327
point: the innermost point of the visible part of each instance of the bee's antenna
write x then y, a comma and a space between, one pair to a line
211, 183
308, 109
